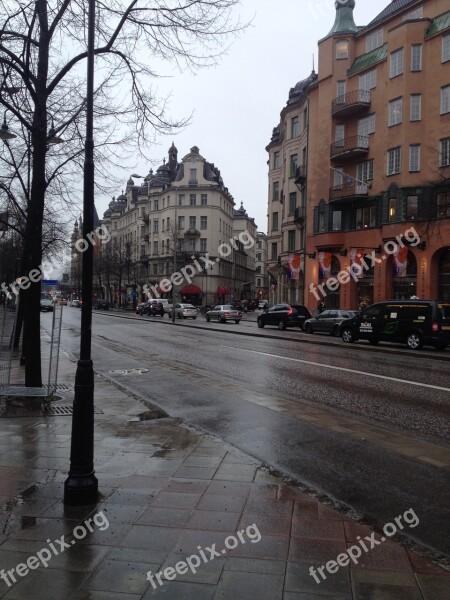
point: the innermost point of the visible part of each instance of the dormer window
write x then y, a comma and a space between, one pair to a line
342, 49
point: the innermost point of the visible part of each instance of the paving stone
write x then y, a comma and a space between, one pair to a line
213, 520
255, 565
233, 488
388, 556
225, 503
295, 596
267, 525
314, 550
186, 486
167, 517
175, 500
307, 527
152, 538
117, 576
95, 595
271, 547
206, 572
195, 472
173, 590
434, 587
46, 584
300, 579
248, 586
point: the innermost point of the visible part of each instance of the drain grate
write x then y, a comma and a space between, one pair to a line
53, 410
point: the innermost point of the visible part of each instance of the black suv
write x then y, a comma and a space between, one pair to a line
285, 315
101, 304
411, 322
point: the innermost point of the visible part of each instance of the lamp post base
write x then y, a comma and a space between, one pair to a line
81, 490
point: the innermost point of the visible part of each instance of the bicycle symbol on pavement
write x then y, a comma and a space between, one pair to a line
129, 371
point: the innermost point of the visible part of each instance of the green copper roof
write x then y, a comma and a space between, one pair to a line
438, 25
367, 60
344, 22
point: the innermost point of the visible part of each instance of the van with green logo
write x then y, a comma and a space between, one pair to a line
411, 322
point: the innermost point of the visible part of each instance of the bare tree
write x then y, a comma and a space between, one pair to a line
42, 50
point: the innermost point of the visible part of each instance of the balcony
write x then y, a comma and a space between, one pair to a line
300, 174
351, 104
144, 258
299, 214
145, 218
349, 148
348, 191
193, 183
145, 237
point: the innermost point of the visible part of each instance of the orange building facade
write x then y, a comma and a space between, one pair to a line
378, 166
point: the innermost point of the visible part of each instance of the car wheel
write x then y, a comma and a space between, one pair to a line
223, 320
183, 317
237, 321
348, 336
281, 325
194, 318
207, 318
307, 328
414, 341
260, 323
373, 341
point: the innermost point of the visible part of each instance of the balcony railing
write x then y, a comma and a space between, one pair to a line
349, 148
144, 257
300, 174
193, 183
351, 104
348, 190
299, 214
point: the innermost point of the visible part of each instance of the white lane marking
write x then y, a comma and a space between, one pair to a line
317, 364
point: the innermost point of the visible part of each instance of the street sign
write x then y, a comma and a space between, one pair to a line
50, 282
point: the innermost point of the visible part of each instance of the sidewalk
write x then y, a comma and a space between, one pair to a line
168, 493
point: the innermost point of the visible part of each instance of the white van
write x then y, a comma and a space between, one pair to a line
167, 305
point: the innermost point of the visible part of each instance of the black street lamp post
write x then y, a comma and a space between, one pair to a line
81, 486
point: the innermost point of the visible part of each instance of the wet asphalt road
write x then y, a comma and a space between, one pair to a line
220, 382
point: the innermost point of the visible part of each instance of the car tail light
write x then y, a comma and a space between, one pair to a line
435, 327
226, 314
290, 311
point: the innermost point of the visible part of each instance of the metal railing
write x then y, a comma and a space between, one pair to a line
352, 145
357, 98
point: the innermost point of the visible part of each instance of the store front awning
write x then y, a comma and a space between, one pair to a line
190, 290
222, 291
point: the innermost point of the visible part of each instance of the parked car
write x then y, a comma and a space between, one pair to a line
76, 303
184, 311
101, 304
285, 315
263, 304
155, 308
141, 308
223, 313
411, 322
328, 321
46, 305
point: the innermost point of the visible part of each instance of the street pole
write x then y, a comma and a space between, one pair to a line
175, 243
81, 486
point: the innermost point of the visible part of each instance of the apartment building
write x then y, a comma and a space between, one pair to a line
261, 274
179, 216
287, 161
379, 156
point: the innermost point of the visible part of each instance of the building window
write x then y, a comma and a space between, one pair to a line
204, 199
444, 155
274, 255
156, 205
366, 125
414, 157
180, 199
294, 164
340, 91
342, 49
193, 176
305, 118
337, 220
192, 199
292, 202
366, 217
416, 57
443, 205
275, 221
415, 13
395, 112
155, 248
412, 208
291, 241
446, 47
191, 245
415, 107
192, 222
396, 65
339, 135
364, 171
445, 100
258, 282
392, 209
276, 191
203, 244
393, 161
368, 80
258, 256
374, 40
180, 222
276, 160
203, 222
295, 127
155, 226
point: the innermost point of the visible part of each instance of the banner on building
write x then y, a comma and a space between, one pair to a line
356, 256
400, 266
293, 266
324, 265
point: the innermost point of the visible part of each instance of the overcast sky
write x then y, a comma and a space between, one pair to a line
237, 104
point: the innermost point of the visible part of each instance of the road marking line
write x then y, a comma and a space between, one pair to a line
354, 371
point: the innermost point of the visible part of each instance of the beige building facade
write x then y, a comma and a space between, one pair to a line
181, 219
